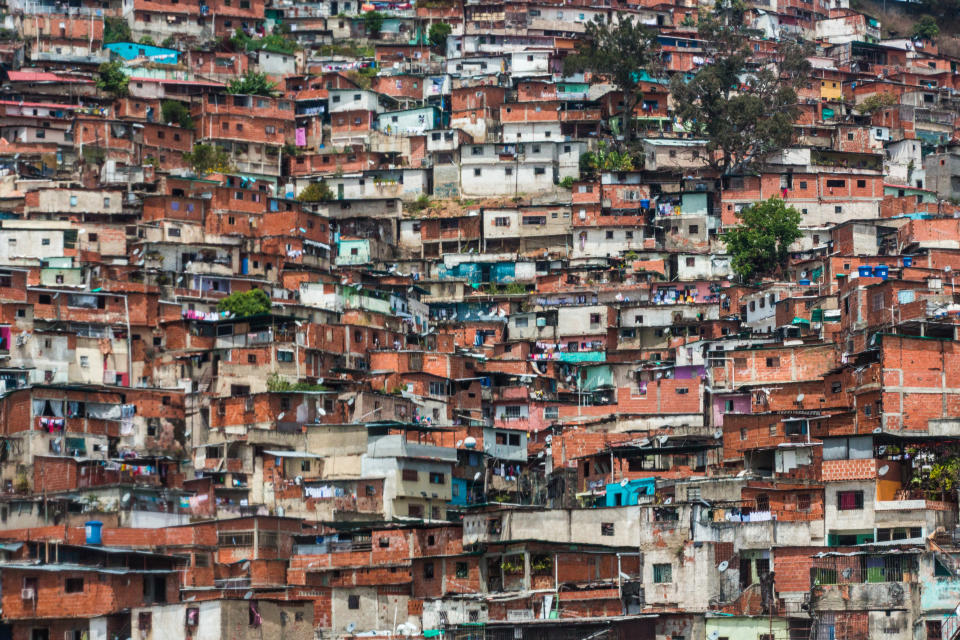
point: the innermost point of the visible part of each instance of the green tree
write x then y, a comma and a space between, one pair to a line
926, 27
760, 245
112, 79
177, 113
438, 35
252, 84
207, 158
621, 52
116, 30
373, 23
243, 304
147, 40
316, 192
743, 104
876, 102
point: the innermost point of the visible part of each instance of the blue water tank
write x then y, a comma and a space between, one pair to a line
881, 271
865, 271
93, 528
908, 261
804, 283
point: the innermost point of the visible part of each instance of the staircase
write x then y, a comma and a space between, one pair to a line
950, 627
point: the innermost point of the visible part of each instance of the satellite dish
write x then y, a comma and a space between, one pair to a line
846, 573
248, 595
282, 413
245, 565
298, 480
668, 500
351, 627
882, 471
470, 442
714, 635
878, 430
800, 397
476, 476
718, 434
280, 512
321, 411
662, 439
723, 566
624, 482
459, 443
882, 449
125, 499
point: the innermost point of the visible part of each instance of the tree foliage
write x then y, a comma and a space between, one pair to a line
876, 102
621, 52
252, 84
743, 103
207, 158
274, 42
373, 23
926, 27
148, 41
438, 35
316, 192
174, 112
243, 304
760, 245
112, 78
116, 29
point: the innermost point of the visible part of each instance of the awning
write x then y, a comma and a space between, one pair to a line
799, 320
292, 454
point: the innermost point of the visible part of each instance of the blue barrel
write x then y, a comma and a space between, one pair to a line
804, 283
881, 271
644, 204
865, 271
93, 528
908, 261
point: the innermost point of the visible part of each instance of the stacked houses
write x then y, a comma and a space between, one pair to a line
319, 323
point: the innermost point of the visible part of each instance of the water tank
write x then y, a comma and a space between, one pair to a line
882, 271
93, 528
865, 271
908, 261
470, 442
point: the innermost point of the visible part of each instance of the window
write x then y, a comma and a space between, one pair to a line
508, 171
476, 173
861, 184
803, 502
849, 500
694, 230
514, 439
662, 573
682, 391
73, 585
594, 318
428, 571
285, 356
773, 363
409, 475
606, 528
437, 478
353, 602
462, 570
501, 221
690, 262
539, 171
835, 387
551, 413
839, 184
609, 235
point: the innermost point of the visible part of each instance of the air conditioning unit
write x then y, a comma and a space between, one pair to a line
27, 594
